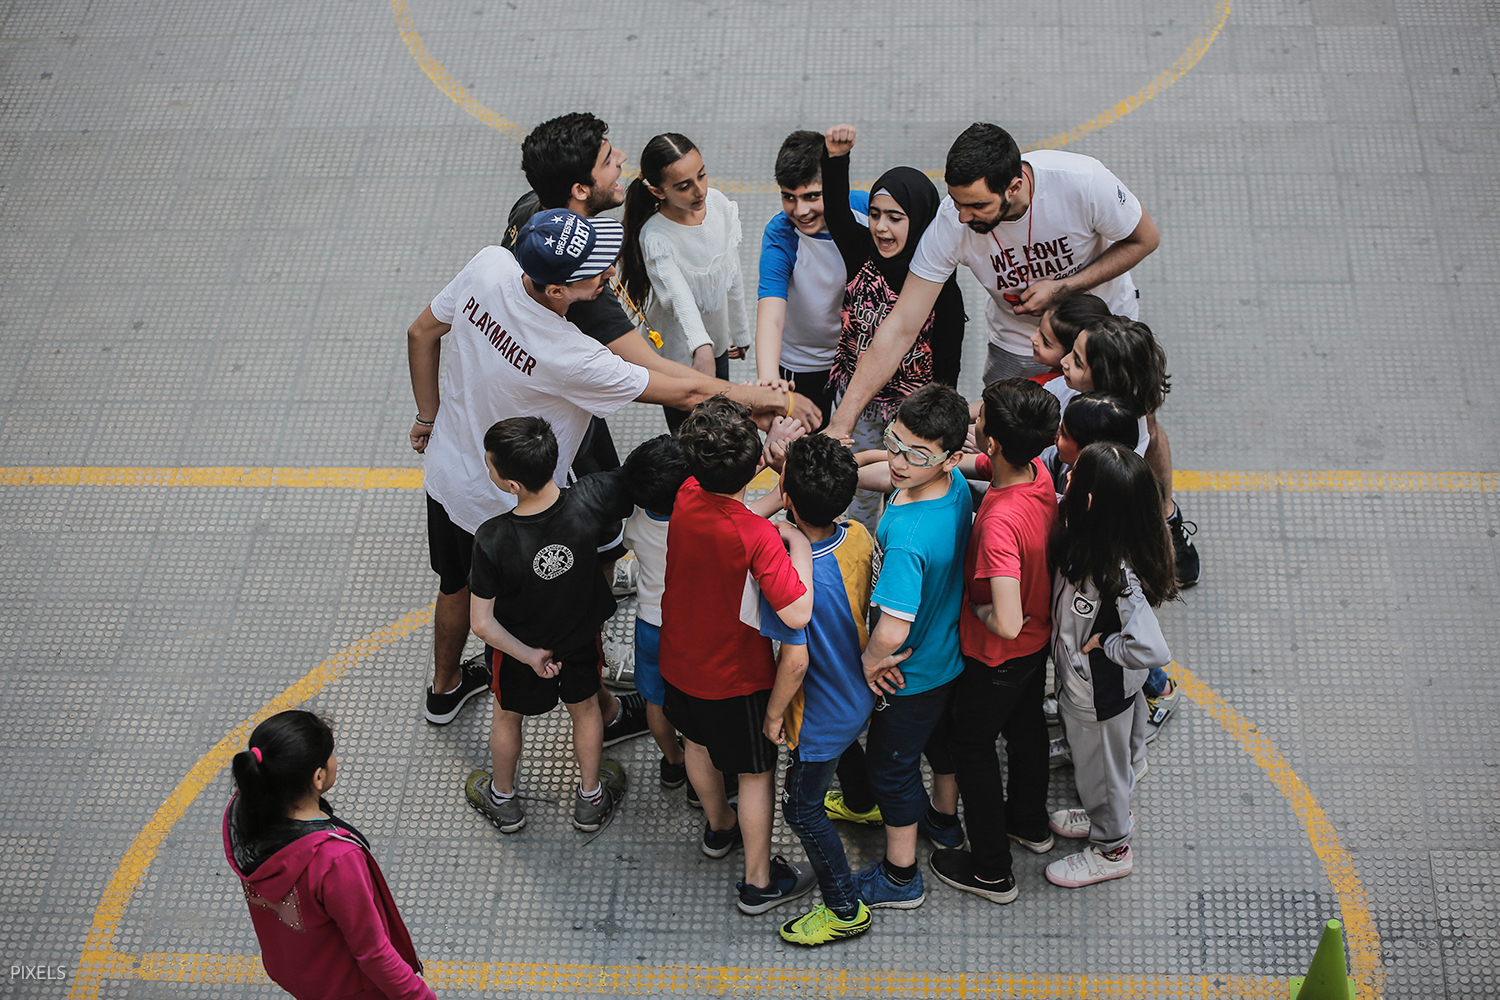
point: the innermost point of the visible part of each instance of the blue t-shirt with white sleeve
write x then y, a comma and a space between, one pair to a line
808, 272
922, 580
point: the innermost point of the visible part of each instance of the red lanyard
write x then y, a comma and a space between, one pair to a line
1030, 217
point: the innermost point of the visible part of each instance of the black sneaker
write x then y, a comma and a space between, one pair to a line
956, 868
474, 677
1183, 549
630, 723
718, 843
673, 775
731, 790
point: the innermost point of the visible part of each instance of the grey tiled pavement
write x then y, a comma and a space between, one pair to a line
217, 220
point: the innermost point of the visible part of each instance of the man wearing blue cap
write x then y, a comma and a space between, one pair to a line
513, 353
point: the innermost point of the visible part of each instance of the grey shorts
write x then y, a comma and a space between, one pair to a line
1000, 363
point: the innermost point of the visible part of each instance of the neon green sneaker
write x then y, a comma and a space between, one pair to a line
822, 926
833, 804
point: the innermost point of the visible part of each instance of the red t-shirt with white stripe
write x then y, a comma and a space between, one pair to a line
721, 557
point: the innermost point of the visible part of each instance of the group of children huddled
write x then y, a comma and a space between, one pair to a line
1066, 553
906, 579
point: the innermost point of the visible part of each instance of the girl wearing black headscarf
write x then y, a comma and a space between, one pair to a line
903, 203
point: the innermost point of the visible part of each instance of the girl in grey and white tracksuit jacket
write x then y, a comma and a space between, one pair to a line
1113, 562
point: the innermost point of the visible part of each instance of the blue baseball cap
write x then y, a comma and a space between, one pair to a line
558, 247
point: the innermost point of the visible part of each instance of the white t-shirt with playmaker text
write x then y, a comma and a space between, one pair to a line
1078, 210
510, 356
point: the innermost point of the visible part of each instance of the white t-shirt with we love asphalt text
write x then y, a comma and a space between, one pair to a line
1078, 210
510, 356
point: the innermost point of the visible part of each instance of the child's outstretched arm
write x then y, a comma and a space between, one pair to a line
881, 661
799, 612
1003, 615
784, 430
482, 621
876, 476
791, 667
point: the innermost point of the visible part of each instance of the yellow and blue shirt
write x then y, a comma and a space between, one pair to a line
834, 704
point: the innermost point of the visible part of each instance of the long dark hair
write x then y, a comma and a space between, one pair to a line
1078, 311
292, 746
1126, 360
640, 204
1111, 518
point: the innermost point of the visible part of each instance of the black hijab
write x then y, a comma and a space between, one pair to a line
918, 198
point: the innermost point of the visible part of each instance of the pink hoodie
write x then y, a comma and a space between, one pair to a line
327, 924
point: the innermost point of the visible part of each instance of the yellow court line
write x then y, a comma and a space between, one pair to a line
572, 980
99, 959
448, 84
1359, 925
1183, 480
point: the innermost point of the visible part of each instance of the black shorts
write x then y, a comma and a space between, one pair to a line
730, 728
520, 689
449, 547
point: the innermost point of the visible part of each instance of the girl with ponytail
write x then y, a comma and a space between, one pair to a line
327, 924
681, 260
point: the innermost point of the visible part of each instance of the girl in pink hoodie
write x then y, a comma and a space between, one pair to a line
327, 924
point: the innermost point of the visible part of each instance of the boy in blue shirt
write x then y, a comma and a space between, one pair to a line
923, 537
820, 701
801, 287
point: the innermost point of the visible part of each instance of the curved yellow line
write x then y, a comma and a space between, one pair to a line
1354, 904
445, 81
99, 960
456, 92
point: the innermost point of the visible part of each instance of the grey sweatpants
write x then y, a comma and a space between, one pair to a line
1105, 755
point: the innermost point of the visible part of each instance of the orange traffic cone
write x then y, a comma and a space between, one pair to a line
1327, 978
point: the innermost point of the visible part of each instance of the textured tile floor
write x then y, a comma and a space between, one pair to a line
217, 220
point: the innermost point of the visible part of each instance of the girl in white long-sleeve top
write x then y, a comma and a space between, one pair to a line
1113, 564
681, 260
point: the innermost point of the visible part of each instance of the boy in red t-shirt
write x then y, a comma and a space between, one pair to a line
1004, 633
717, 667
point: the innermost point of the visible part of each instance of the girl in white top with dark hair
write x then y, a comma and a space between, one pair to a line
681, 260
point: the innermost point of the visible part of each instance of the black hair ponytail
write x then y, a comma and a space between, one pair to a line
275, 773
640, 205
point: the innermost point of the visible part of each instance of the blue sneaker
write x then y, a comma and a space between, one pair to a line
949, 837
880, 893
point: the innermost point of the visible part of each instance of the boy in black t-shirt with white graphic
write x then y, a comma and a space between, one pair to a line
538, 599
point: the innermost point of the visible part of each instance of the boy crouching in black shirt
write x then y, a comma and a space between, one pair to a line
538, 599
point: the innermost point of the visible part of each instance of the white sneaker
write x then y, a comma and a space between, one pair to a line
626, 570
1059, 753
619, 665
1050, 711
1072, 823
1089, 867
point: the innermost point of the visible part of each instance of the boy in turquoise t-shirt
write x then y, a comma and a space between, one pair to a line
923, 536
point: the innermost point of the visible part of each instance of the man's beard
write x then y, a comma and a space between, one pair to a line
602, 200
985, 227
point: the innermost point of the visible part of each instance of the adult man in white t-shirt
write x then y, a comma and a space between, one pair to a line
513, 353
1032, 230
